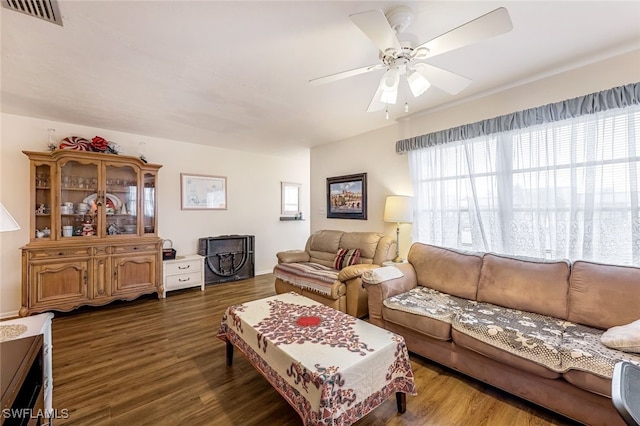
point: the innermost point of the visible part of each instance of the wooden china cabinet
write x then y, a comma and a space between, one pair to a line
93, 231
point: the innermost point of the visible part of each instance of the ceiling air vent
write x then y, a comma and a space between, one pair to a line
43, 9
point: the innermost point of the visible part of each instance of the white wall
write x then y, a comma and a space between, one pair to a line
388, 172
253, 194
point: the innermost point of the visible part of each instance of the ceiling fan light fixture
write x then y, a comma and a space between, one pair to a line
389, 86
417, 83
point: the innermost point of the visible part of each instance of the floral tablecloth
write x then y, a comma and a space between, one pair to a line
331, 367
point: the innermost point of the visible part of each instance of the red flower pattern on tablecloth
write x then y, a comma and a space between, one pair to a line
336, 328
235, 320
401, 365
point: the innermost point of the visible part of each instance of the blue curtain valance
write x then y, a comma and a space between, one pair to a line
618, 97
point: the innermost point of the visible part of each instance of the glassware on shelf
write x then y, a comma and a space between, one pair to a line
42, 180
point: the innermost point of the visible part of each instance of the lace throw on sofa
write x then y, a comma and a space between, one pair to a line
554, 343
582, 350
530, 336
307, 275
428, 302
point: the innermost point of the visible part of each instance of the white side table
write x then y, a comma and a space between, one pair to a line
183, 272
32, 326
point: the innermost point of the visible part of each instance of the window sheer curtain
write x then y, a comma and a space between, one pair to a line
562, 189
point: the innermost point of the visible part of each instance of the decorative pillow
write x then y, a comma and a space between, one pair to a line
346, 257
624, 338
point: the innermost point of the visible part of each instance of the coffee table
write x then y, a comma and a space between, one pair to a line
331, 367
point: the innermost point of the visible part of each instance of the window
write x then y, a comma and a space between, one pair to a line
565, 189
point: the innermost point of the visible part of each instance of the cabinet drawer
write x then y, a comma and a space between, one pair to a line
135, 248
183, 267
181, 281
63, 252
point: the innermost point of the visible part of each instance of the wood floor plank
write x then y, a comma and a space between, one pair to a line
159, 362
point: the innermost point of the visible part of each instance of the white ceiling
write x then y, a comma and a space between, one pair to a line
235, 74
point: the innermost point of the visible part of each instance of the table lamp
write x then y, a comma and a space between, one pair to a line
398, 209
7, 222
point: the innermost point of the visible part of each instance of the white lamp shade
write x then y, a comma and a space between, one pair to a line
7, 222
398, 208
389, 86
417, 83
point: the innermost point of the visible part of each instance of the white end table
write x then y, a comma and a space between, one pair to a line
183, 272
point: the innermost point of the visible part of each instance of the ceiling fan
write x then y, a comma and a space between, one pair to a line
400, 54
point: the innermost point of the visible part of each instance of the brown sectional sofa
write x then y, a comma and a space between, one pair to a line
527, 326
340, 289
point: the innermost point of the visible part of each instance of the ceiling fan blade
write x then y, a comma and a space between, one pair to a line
446, 80
374, 24
485, 27
375, 104
345, 74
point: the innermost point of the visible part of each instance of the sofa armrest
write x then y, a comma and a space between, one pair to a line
293, 256
354, 271
377, 293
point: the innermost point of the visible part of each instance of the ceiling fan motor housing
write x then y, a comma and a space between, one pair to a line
400, 18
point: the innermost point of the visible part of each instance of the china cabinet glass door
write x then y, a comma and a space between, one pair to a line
43, 200
121, 200
78, 207
149, 203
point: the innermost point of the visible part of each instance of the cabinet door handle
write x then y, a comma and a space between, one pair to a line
183, 280
184, 267
85, 278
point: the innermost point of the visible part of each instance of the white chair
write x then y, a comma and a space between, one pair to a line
625, 391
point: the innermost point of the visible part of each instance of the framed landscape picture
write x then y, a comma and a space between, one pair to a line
347, 197
201, 192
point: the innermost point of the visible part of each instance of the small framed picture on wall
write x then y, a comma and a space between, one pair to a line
202, 192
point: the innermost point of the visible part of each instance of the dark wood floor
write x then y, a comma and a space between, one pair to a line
158, 362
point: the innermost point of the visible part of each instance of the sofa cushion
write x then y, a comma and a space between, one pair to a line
503, 357
625, 338
322, 246
589, 381
434, 328
427, 302
367, 242
581, 349
425, 310
604, 296
446, 270
526, 335
526, 284
308, 275
346, 257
